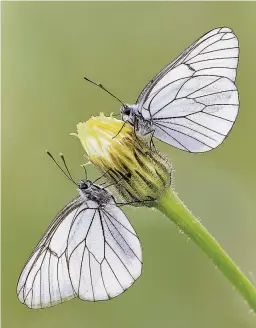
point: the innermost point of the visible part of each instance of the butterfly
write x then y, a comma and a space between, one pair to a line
89, 251
193, 102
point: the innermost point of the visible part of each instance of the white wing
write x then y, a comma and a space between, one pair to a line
193, 102
104, 255
86, 252
45, 279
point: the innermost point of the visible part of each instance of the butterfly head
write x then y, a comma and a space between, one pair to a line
128, 113
86, 189
84, 185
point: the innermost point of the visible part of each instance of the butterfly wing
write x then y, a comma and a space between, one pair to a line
105, 256
193, 102
45, 279
86, 252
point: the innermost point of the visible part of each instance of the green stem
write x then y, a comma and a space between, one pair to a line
170, 205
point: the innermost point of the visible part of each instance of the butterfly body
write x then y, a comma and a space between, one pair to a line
92, 192
130, 114
143, 127
193, 102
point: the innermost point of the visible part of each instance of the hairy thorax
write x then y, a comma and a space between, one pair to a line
97, 194
142, 127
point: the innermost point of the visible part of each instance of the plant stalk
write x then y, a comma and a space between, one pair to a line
170, 205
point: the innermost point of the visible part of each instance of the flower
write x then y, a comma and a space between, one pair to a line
138, 173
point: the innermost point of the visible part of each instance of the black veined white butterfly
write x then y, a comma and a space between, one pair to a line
193, 102
90, 251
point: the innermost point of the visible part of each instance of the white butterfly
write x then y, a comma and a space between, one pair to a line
89, 251
193, 102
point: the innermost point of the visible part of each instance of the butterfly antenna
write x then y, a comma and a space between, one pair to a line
85, 172
65, 164
103, 88
70, 178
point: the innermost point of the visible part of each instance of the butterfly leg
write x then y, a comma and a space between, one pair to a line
135, 134
136, 202
151, 142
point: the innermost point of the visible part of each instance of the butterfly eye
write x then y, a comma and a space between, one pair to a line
83, 185
126, 110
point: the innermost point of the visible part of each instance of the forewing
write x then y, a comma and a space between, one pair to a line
104, 254
193, 102
45, 280
215, 53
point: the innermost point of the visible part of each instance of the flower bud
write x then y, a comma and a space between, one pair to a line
138, 173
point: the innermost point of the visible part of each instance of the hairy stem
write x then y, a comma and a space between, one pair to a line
170, 205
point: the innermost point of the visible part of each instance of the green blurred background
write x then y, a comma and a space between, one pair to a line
46, 50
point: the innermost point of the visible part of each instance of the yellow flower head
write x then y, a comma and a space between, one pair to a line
137, 172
